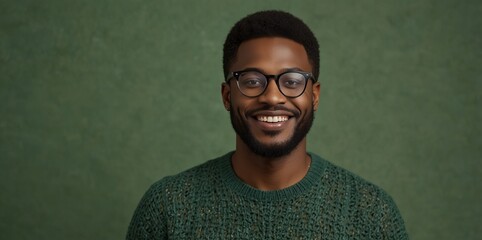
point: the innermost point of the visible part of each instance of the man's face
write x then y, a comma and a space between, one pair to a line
271, 125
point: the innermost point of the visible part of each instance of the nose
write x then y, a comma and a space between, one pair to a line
272, 95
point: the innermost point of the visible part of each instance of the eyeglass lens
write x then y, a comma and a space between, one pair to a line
291, 84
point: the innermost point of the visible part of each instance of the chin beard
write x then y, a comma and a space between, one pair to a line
276, 149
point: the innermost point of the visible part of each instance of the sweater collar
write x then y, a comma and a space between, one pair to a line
233, 182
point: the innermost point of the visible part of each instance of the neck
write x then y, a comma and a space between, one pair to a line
270, 173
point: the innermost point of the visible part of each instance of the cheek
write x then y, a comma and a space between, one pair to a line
304, 103
238, 106
238, 101
234, 96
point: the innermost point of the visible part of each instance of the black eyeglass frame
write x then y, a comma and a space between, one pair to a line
237, 74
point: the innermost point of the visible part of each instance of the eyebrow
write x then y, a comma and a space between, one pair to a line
261, 71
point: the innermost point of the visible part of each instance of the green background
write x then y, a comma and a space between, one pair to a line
99, 99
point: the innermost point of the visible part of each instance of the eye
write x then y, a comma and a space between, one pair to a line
252, 83
252, 80
292, 80
292, 83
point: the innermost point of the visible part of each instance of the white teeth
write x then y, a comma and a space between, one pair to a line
272, 119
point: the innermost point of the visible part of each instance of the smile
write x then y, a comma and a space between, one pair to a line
272, 119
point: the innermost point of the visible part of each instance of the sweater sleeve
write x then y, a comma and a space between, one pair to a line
148, 221
392, 225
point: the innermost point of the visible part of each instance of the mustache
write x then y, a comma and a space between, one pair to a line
296, 113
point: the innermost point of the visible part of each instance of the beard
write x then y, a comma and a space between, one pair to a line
272, 150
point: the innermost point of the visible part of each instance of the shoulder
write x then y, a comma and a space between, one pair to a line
168, 195
366, 208
191, 179
348, 185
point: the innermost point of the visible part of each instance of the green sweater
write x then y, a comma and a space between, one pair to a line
210, 202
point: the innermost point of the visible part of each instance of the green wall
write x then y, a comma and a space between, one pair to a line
99, 99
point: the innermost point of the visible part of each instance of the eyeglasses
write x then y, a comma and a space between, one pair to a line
253, 83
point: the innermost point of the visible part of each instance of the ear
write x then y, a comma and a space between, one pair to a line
226, 95
316, 94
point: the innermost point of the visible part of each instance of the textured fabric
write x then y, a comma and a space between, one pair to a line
210, 202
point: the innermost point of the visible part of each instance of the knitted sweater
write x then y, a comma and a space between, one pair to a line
210, 202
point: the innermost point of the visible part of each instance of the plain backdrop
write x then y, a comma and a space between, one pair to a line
99, 99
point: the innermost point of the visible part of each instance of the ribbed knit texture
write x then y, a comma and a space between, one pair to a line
210, 202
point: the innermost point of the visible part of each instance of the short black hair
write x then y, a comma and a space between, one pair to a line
272, 23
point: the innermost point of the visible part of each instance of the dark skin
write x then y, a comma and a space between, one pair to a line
271, 55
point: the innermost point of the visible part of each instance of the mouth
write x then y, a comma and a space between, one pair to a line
272, 119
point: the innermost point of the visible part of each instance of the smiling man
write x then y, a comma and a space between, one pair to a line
270, 187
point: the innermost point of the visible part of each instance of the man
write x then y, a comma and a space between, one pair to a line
269, 187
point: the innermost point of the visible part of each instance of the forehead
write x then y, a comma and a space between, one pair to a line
271, 54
